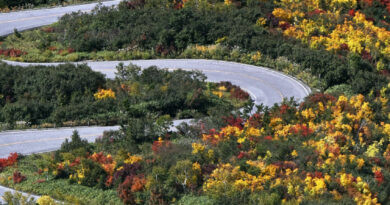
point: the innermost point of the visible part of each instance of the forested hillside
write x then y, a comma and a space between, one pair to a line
333, 147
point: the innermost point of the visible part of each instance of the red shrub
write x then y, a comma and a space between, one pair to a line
161, 145
128, 170
341, 140
284, 109
388, 7
101, 158
370, 19
138, 183
18, 177
368, 2
318, 174
240, 94
334, 150
366, 55
242, 155
75, 162
52, 48
48, 30
256, 120
376, 160
207, 169
273, 20
268, 137
235, 122
109, 181
385, 73
351, 12
285, 26
321, 97
164, 50
40, 181
133, 183
344, 47
40, 171
71, 50
12, 52
235, 91
135, 4
178, 5
315, 12
285, 165
11, 160
301, 130
379, 177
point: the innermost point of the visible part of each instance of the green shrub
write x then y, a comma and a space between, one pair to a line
194, 200
342, 89
75, 143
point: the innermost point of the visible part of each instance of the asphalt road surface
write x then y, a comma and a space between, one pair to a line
264, 85
28, 19
44, 140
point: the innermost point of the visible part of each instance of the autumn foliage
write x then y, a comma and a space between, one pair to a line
337, 28
129, 186
12, 52
11, 160
325, 149
18, 177
332, 149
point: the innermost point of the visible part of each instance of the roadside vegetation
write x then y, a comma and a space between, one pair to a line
332, 148
326, 150
71, 95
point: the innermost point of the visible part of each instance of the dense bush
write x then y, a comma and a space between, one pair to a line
9, 161
166, 30
56, 93
153, 96
157, 90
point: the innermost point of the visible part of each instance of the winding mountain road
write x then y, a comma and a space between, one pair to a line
264, 85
